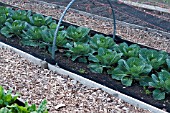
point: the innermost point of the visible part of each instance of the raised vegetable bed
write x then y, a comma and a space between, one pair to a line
95, 52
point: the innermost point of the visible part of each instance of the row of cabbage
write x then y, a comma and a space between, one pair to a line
126, 63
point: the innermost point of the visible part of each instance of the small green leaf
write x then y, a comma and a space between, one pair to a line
1, 92
42, 108
168, 63
122, 64
30, 43
5, 110
96, 68
167, 85
50, 49
8, 98
144, 81
48, 20
1, 101
92, 58
126, 81
68, 45
31, 108
6, 32
2, 19
155, 78
101, 51
158, 94
82, 59
118, 74
75, 57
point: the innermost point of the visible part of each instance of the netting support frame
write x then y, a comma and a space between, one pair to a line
62, 16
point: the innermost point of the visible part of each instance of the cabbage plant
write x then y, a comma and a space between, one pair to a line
79, 51
156, 58
104, 59
33, 33
132, 69
15, 28
33, 37
21, 15
5, 10
161, 83
48, 36
15, 108
128, 51
53, 25
5, 14
39, 20
79, 34
99, 40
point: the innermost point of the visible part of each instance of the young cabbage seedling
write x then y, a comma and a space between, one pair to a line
15, 28
79, 34
155, 58
21, 15
104, 59
33, 37
79, 51
98, 41
132, 69
161, 84
48, 36
39, 20
128, 51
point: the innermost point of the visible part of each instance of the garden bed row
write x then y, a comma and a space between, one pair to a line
99, 45
138, 34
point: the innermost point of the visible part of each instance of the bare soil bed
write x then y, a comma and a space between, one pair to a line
123, 12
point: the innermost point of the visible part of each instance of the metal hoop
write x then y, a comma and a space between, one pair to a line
61, 18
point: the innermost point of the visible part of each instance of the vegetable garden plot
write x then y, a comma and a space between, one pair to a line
98, 49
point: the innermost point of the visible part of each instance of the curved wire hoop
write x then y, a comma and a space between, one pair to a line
62, 16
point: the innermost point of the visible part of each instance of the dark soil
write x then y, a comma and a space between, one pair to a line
123, 12
134, 91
